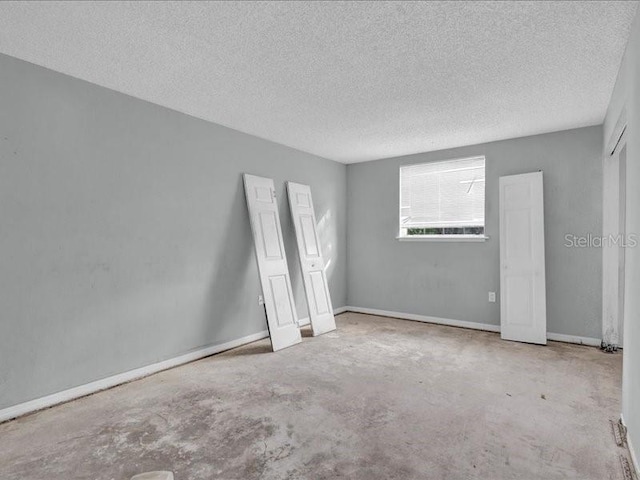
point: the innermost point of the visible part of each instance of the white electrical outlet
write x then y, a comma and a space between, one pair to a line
492, 297
260, 300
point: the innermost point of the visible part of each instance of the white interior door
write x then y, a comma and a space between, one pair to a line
613, 246
311, 261
523, 304
272, 262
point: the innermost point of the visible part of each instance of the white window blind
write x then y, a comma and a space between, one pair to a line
442, 195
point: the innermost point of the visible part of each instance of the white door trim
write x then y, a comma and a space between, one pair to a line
47, 401
613, 224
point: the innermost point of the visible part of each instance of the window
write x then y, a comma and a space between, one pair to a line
443, 199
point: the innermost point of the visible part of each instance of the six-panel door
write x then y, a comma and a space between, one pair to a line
522, 262
272, 262
311, 261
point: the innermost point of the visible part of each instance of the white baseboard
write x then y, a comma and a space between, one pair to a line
305, 321
89, 388
487, 327
632, 452
427, 319
561, 337
109, 382
338, 311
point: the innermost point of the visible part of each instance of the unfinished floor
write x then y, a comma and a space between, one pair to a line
378, 399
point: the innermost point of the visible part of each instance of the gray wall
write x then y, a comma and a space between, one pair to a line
125, 238
451, 280
626, 96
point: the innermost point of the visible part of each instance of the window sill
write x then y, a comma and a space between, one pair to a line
444, 238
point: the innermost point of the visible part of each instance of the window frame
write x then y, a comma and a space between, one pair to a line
441, 237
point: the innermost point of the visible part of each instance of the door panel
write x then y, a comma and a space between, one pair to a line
271, 241
319, 292
522, 267
518, 293
518, 223
308, 230
311, 262
272, 262
280, 294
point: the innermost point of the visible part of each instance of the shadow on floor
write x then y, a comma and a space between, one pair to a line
257, 348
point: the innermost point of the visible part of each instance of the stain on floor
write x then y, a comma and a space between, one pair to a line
378, 399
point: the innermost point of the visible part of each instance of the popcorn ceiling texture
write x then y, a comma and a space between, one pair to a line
349, 81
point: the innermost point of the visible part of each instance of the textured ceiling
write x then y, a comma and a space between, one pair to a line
350, 81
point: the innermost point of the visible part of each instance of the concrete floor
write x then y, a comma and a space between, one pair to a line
378, 399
